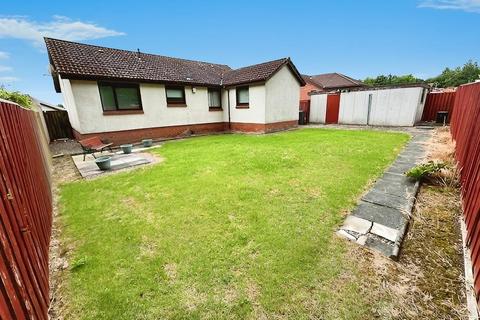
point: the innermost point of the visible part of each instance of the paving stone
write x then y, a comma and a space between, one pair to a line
357, 224
399, 178
362, 239
385, 247
410, 158
400, 189
384, 232
401, 167
389, 217
344, 234
424, 137
388, 200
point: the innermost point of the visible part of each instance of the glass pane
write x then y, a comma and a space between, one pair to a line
214, 99
108, 101
127, 98
243, 95
175, 93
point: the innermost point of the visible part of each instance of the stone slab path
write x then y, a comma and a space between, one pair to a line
381, 217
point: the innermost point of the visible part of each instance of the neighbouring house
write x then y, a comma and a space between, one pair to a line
125, 96
328, 82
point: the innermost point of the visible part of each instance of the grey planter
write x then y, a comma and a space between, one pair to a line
147, 142
127, 148
103, 163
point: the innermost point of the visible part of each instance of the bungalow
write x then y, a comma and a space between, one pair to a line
328, 82
125, 96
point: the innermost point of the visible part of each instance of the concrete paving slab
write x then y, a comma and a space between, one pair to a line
400, 189
356, 224
89, 169
389, 217
390, 234
401, 167
346, 235
385, 247
388, 200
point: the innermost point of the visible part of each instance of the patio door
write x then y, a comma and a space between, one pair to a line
333, 108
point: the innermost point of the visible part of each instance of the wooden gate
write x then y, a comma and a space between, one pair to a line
333, 108
58, 125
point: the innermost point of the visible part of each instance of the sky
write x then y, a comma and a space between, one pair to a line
357, 38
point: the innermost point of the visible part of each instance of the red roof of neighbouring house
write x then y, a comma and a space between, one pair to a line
333, 81
81, 61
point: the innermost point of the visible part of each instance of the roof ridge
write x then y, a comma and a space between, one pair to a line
131, 51
348, 78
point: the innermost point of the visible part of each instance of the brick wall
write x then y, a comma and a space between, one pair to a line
306, 89
131, 136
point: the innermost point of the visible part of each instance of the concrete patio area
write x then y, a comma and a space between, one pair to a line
119, 162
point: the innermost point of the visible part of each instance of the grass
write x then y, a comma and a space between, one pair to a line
230, 226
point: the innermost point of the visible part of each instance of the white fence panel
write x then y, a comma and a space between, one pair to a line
388, 107
318, 108
353, 107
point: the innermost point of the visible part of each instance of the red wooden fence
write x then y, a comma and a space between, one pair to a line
438, 101
25, 216
465, 128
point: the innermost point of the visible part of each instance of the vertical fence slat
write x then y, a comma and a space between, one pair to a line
25, 215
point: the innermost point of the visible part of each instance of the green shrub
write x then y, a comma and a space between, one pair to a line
425, 170
15, 96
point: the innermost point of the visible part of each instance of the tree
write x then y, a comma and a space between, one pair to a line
385, 80
15, 96
455, 77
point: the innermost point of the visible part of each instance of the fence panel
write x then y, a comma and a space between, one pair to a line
58, 125
465, 128
25, 215
438, 101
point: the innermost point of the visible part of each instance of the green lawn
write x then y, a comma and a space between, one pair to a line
228, 226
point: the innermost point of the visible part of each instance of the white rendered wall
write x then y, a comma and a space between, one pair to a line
69, 103
282, 97
318, 108
91, 119
255, 113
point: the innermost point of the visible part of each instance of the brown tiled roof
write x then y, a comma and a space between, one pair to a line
333, 81
258, 72
76, 60
80, 61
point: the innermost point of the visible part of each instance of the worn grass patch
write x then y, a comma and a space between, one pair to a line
231, 226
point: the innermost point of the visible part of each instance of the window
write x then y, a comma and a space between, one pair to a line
214, 98
175, 95
120, 96
242, 96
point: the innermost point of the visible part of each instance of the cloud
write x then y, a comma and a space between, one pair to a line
20, 27
5, 68
464, 5
4, 55
4, 80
